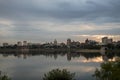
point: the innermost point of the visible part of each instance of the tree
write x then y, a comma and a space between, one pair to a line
4, 77
108, 71
57, 74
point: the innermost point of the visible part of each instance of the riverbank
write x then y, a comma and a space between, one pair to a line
58, 50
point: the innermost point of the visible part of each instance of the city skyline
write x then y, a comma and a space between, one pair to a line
104, 40
43, 21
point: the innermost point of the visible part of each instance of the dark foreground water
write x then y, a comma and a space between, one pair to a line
33, 66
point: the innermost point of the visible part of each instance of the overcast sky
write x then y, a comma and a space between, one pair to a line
46, 20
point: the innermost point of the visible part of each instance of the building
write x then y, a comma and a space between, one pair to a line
55, 42
110, 41
75, 44
91, 42
86, 41
5, 44
68, 42
106, 40
24, 43
19, 43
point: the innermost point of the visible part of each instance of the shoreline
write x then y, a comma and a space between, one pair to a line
57, 50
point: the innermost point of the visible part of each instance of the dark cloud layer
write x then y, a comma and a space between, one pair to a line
61, 10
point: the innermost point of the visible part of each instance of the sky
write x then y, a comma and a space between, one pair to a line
46, 20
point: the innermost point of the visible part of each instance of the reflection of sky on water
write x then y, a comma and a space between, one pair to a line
34, 67
97, 59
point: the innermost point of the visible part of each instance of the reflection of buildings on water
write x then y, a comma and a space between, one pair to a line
25, 50
70, 55
103, 53
90, 55
103, 50
55, 56
86, 55
24, 56
5, 55
18, 55
106, 55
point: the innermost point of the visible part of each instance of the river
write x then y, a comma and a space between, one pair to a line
30, 66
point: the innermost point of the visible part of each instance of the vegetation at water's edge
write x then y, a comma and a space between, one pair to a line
108, 71
3, 76
57, 74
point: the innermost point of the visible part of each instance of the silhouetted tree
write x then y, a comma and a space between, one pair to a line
4, 77
57, 74
108, 71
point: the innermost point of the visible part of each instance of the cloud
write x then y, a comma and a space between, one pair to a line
46, 19
61, 10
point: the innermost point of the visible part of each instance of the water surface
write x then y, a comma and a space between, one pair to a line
25, 66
